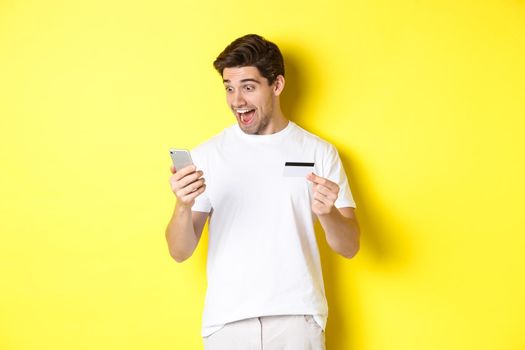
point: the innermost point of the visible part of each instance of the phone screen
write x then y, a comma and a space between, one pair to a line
181, 158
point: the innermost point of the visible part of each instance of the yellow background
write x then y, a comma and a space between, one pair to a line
425, 101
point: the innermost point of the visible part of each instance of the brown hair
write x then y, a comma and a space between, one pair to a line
252, 50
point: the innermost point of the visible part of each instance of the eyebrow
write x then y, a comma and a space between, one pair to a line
243, 81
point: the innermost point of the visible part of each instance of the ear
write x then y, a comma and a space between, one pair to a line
278, 85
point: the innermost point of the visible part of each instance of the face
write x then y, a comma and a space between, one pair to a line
251, 99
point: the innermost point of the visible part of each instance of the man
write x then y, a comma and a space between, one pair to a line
265, 286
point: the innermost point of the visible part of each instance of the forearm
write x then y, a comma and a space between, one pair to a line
180, 233
342, 233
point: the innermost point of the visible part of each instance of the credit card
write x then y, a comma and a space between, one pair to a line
297, 169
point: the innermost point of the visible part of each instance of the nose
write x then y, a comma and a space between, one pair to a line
238, 99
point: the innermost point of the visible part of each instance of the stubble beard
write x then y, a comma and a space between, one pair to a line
257, 128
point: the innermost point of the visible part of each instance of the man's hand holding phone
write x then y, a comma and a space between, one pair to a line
186, 183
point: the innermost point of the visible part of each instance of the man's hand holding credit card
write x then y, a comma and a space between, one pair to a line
325, 192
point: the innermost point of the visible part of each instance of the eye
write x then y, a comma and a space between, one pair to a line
228, 89
249, 88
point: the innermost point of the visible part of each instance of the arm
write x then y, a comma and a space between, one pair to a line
340, 225
342, 231
185, 227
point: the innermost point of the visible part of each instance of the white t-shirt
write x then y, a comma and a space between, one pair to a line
263, 257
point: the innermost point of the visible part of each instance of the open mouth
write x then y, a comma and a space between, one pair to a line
245, 115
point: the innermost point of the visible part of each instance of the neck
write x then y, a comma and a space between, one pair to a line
278, 122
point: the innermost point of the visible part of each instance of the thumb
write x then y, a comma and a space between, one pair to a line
312, 177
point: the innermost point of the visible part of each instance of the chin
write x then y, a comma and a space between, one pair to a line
249, 131
252, 129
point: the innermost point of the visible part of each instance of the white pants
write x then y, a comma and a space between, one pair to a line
291, 332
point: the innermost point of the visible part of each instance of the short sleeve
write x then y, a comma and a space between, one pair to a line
333, 170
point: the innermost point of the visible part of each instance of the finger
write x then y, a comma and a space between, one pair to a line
179, 174
322, 181
194, 186
314, 178
188, 179
191, 196
178, 186
322, 199
172, 169
327, 192
318, 204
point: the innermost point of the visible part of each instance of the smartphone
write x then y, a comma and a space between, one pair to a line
180, 158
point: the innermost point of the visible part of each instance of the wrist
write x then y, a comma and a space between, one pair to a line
329, 214
182, 208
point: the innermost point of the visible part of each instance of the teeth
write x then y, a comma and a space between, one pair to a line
244, 110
